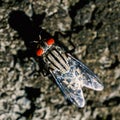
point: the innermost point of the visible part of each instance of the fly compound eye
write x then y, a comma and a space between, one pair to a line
50, 41
39, 52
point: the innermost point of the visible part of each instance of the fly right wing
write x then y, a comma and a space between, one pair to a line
90, 80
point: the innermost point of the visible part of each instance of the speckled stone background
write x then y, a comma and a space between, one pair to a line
89, 29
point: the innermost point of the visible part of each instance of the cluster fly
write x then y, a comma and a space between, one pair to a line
70, 74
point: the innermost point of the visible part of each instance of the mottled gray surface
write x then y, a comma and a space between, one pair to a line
92, 29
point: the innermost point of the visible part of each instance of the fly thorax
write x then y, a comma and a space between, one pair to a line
57, 61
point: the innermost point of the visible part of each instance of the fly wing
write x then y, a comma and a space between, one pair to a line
70, 88
88, 78
71, 75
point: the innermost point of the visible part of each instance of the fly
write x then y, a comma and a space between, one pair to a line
70, 74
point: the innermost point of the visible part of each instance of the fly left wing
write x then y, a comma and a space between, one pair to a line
70, 87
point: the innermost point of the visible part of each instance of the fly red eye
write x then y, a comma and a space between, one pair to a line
39, 52
50, 41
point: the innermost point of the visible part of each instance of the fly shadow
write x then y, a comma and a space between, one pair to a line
29, 30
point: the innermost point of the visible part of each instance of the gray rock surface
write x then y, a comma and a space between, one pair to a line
88, 28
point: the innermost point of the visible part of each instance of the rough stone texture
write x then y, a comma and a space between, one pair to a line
90, 29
